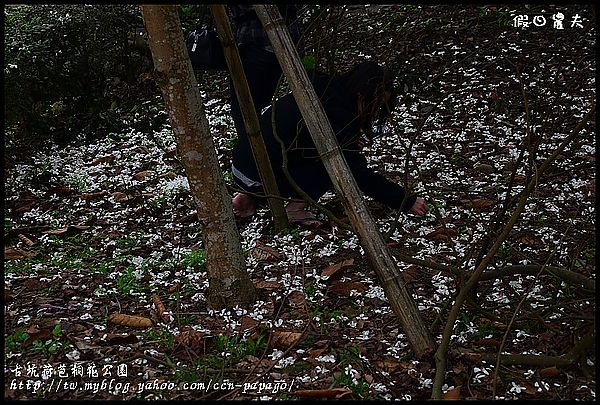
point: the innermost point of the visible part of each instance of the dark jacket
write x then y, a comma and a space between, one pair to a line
342, 111
249, 29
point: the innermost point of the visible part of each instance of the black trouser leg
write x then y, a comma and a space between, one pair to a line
262, 74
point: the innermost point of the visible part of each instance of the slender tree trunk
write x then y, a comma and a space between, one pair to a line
248, 110
318, 125
229, 283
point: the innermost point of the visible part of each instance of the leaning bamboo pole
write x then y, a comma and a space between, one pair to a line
248, 111
324, 138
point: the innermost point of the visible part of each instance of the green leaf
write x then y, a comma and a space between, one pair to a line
309, 62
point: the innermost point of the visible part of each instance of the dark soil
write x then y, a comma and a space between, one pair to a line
109, 227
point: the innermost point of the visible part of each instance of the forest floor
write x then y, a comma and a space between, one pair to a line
108, 227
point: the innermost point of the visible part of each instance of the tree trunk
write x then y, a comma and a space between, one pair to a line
248, 110
322, 134
229, 283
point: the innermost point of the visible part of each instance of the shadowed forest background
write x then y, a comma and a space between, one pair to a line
99, 220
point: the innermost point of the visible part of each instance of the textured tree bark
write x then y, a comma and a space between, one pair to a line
229, 283
318, 125
251, 124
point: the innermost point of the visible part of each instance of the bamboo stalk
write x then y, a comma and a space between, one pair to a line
324, 138
248, 111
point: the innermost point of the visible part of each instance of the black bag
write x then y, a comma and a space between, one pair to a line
204, 48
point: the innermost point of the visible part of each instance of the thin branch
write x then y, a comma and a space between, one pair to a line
564, 360
440, 355
525, 294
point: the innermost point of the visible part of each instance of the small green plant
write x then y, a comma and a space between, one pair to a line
194, 259
8, 225
228, 176
14, 341
231, 142
505, 251
158, 201
227, 350
130, 241
455, 158
78, 182
309, 62
586, 257
101, 269
351, 355
438, 204
50, 346
295, 232
337, 314
190, 373
240, 348
163, 337
310, 290
504, 19
485, 330
500, 106
348, 379
127, 282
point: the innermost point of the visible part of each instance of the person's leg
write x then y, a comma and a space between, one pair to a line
262, 74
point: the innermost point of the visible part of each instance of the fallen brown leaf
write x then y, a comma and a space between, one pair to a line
191, 338
336, 393
170, 153
335, 270
68, 231
345, 288
60, 190
297, 298
247, 323
118, 196
104, 159
452, 394
549, 372
25, 240
32, 284
442, 234
35, 334
394, 244
26, 201
263, 253
93, 196
267, 285
410, 274
529, 239
529, 389
133, 321
160, 308
12, 253
282, 339
390, 365
168, 175
488, 342
478, 203
317, 352
143, 174
121, 338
